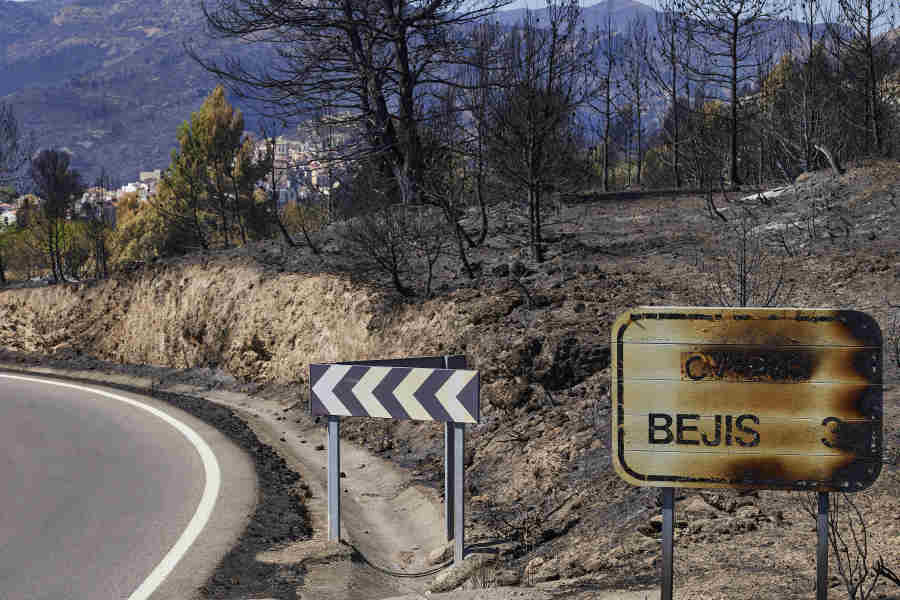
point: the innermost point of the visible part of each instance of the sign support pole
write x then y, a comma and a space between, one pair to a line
459, 432
334, 479
822, 548
449, 471
357, 381
668, 542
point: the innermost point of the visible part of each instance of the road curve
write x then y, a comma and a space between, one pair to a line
105, 494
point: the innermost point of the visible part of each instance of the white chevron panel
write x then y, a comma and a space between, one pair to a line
324, 389
448, 396
364, 392
409, 386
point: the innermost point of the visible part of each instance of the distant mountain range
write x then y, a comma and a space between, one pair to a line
620, 12
110, 81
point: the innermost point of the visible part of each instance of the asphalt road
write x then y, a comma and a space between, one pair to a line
105, 494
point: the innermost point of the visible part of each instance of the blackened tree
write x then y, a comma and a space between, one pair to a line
727, 34
863, 35
58, 187
366, 63
814, 93
98, 223
604, 68
667, 50
535, 135
277, 172
455, 162
635, 74
478, 76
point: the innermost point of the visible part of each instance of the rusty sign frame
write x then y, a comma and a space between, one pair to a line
860, 439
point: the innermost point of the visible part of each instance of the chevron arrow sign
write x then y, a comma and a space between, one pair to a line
394, 392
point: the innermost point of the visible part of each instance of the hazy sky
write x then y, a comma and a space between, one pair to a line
651, 3
542, 3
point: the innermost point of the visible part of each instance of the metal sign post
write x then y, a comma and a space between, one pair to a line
450, 486
424, 389
822, 548
334, 479
459, 445
668, 542
449, 473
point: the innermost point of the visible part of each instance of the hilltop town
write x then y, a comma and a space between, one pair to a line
303, 172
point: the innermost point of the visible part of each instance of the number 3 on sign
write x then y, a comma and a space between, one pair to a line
828, 422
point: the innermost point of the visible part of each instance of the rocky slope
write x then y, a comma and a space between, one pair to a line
539, 480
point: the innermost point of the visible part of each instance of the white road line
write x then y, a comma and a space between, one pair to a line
207, 501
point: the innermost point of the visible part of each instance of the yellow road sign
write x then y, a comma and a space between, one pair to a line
747, 398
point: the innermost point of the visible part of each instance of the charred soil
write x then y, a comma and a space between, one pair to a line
544, 503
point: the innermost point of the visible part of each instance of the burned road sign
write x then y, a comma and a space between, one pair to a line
747, 398
346, 390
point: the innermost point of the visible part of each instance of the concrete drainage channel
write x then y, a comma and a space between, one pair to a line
382, 520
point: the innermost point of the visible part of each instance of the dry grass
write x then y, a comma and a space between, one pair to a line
226, 315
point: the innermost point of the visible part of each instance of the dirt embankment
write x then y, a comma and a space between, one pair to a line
217, 312
542, 495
